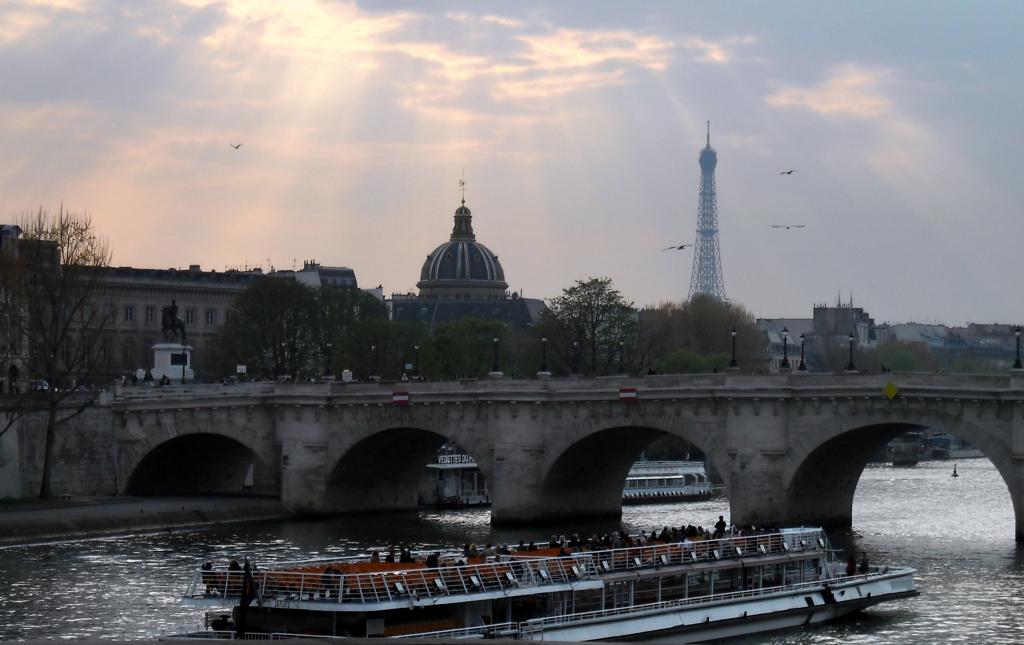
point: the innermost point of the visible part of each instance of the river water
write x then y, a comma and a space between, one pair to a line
957, 533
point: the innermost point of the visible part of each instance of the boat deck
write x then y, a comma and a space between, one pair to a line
358, 585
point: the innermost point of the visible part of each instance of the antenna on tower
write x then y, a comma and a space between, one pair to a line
709, 134
462, 185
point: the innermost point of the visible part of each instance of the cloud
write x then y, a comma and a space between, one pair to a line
19, 18
849, 92
717, 51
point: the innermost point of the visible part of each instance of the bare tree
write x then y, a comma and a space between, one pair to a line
51, 281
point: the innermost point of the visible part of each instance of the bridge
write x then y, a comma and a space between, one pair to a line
790, 448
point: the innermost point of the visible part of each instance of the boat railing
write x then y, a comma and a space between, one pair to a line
406, 583
689, 552
494, 630
539, 624
410, 582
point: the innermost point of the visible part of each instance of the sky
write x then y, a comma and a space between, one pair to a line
577, 126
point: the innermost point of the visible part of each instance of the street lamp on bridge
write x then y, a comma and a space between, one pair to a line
850, 367
327, 368
1016, 364
803, 366
543, 354
785, 350
495, 369
732, 361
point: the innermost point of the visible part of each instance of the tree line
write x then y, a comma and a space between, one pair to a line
279, 327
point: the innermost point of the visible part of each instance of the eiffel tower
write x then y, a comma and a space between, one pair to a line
706, 276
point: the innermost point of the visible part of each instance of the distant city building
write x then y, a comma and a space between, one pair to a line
838, 321
315, 275
706, 275
462, 278
778, 348
133, 298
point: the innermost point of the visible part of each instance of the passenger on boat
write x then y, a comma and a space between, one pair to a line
864, 568
406, 556
234, 566
375, 556
390, 557
851, 566
433, 560
720, 527
532, 547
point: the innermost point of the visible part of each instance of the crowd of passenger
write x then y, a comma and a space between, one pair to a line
579, 542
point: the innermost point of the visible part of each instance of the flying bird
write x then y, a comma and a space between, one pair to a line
788, 226
236, 146
788, 172
677, 248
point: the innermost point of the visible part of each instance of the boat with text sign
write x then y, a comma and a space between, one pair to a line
651, 482
680, 590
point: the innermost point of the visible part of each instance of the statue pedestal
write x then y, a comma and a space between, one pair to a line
172, 360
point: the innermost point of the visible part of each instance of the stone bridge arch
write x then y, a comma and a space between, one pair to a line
369, 460
182, 452
383, 471
583, 475
827, 460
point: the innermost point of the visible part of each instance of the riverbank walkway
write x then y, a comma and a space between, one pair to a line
25, 521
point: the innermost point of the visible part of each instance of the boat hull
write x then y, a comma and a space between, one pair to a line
738, 617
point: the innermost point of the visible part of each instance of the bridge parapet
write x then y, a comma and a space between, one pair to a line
660, 387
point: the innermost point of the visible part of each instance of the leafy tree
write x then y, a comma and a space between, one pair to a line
700, 327
589, 326
464, 348
282, 327
270, 326
901, 357
683, 361
50, 285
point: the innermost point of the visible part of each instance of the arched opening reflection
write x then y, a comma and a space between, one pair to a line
402, 469
594, 476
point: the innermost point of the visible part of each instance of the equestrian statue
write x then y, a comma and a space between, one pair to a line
171, 324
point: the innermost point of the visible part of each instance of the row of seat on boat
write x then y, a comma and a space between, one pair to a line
561, 560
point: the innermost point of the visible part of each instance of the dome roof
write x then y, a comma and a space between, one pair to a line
462, 267
462, 260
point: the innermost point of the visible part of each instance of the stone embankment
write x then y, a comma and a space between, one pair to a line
61, 519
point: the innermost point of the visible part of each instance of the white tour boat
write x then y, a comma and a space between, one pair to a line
456, 482
675, 592
667, 481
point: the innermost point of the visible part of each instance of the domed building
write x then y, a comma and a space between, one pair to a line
462, 268
462, 278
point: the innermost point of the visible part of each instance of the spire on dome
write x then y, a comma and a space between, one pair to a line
463, 229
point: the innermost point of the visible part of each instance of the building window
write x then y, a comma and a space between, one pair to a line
190, 316
129, 353
150, 312
227, 316
211, 317
129, 313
